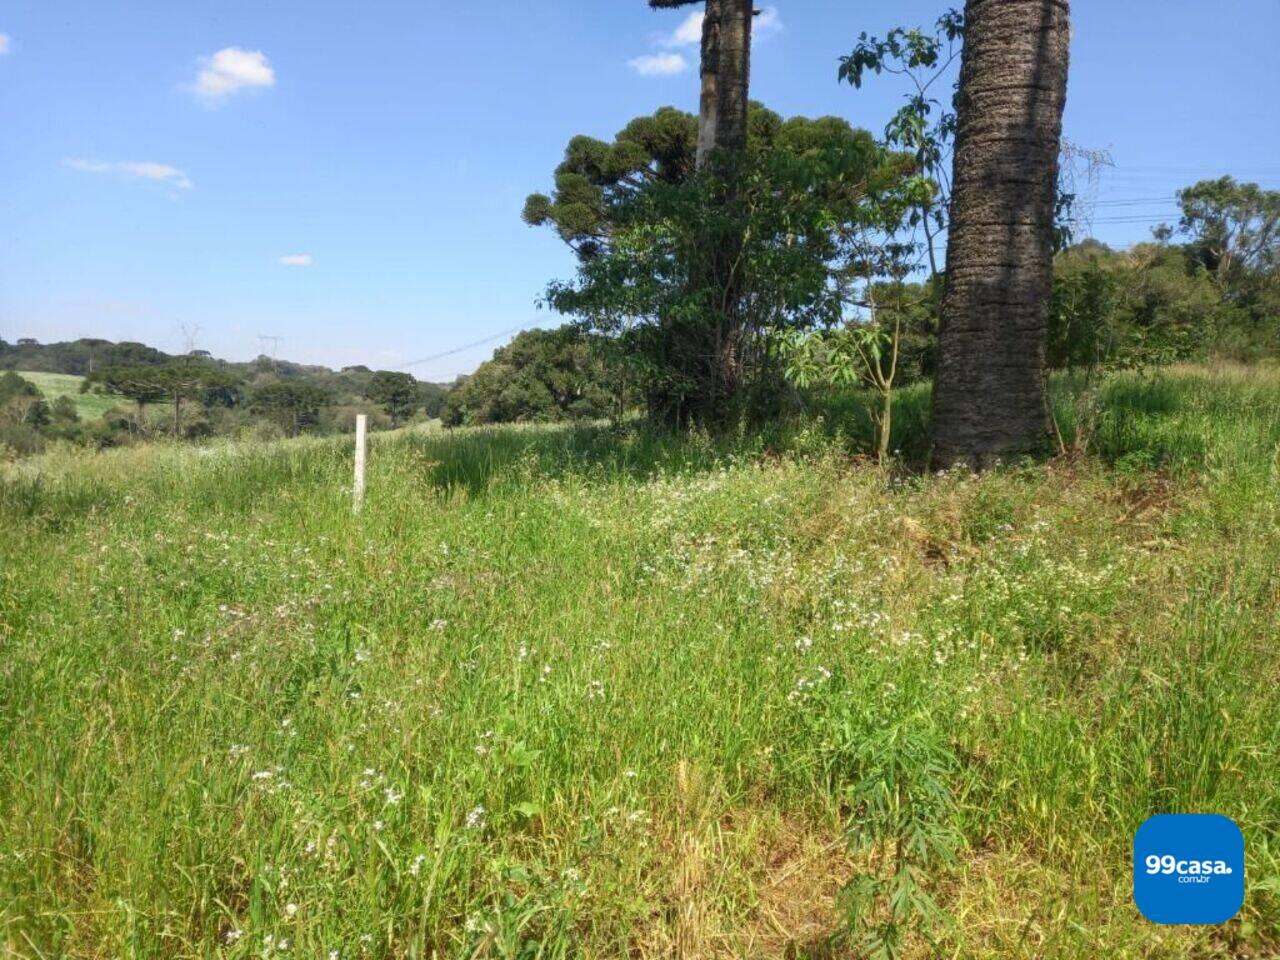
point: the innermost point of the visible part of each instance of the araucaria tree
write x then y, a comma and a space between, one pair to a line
395, 392
693, 272
990, 391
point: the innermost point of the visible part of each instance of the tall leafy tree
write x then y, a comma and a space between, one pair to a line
177, 383
539, 377
140, 383
396, 393
1233, 228
650, 232
990, 396
188, 381
21, 402
723, 118
295, 405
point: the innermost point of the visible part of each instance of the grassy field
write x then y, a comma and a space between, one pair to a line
597, 693
90, 406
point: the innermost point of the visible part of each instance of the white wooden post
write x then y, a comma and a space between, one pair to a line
357, 490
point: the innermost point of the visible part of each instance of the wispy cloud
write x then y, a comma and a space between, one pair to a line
659, 64
6, 44
767, 24
296, 260
135, 170
229, 70
689, 33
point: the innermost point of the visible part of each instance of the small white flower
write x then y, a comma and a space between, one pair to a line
291, 910
232, 935
415, 867
475, 818
439, 624
392, 797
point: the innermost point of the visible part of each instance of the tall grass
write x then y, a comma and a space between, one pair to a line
607, 692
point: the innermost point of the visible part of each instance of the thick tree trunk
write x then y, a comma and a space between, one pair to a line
990, 390
726, 77
712, 354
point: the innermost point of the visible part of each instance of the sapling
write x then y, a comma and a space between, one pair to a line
902, 812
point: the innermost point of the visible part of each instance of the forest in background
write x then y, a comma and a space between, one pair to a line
129, 393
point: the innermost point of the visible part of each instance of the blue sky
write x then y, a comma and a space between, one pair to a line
160, 158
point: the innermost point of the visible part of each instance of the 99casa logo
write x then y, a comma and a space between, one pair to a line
1188, 871
1188, 868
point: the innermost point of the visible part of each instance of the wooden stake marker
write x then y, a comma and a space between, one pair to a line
357, 490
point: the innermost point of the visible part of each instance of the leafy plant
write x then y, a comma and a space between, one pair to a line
902, 812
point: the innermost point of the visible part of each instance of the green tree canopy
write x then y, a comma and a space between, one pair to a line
1233, 229
397, 394
21, 402
815, 204
294, 405
541, 376
177, 383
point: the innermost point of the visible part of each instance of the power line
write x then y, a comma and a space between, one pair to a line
1136, 203
1133, 219
463, 348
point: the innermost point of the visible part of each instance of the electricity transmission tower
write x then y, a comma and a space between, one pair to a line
264, 339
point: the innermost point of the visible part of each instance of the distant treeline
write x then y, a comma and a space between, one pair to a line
193, 396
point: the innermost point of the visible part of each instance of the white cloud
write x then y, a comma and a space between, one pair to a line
767, 24
659, 64
132, 169
297, 260
689, 33
232, 69
6, 44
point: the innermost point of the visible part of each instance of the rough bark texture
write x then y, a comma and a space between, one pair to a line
715, 348
726, 69
989, 390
